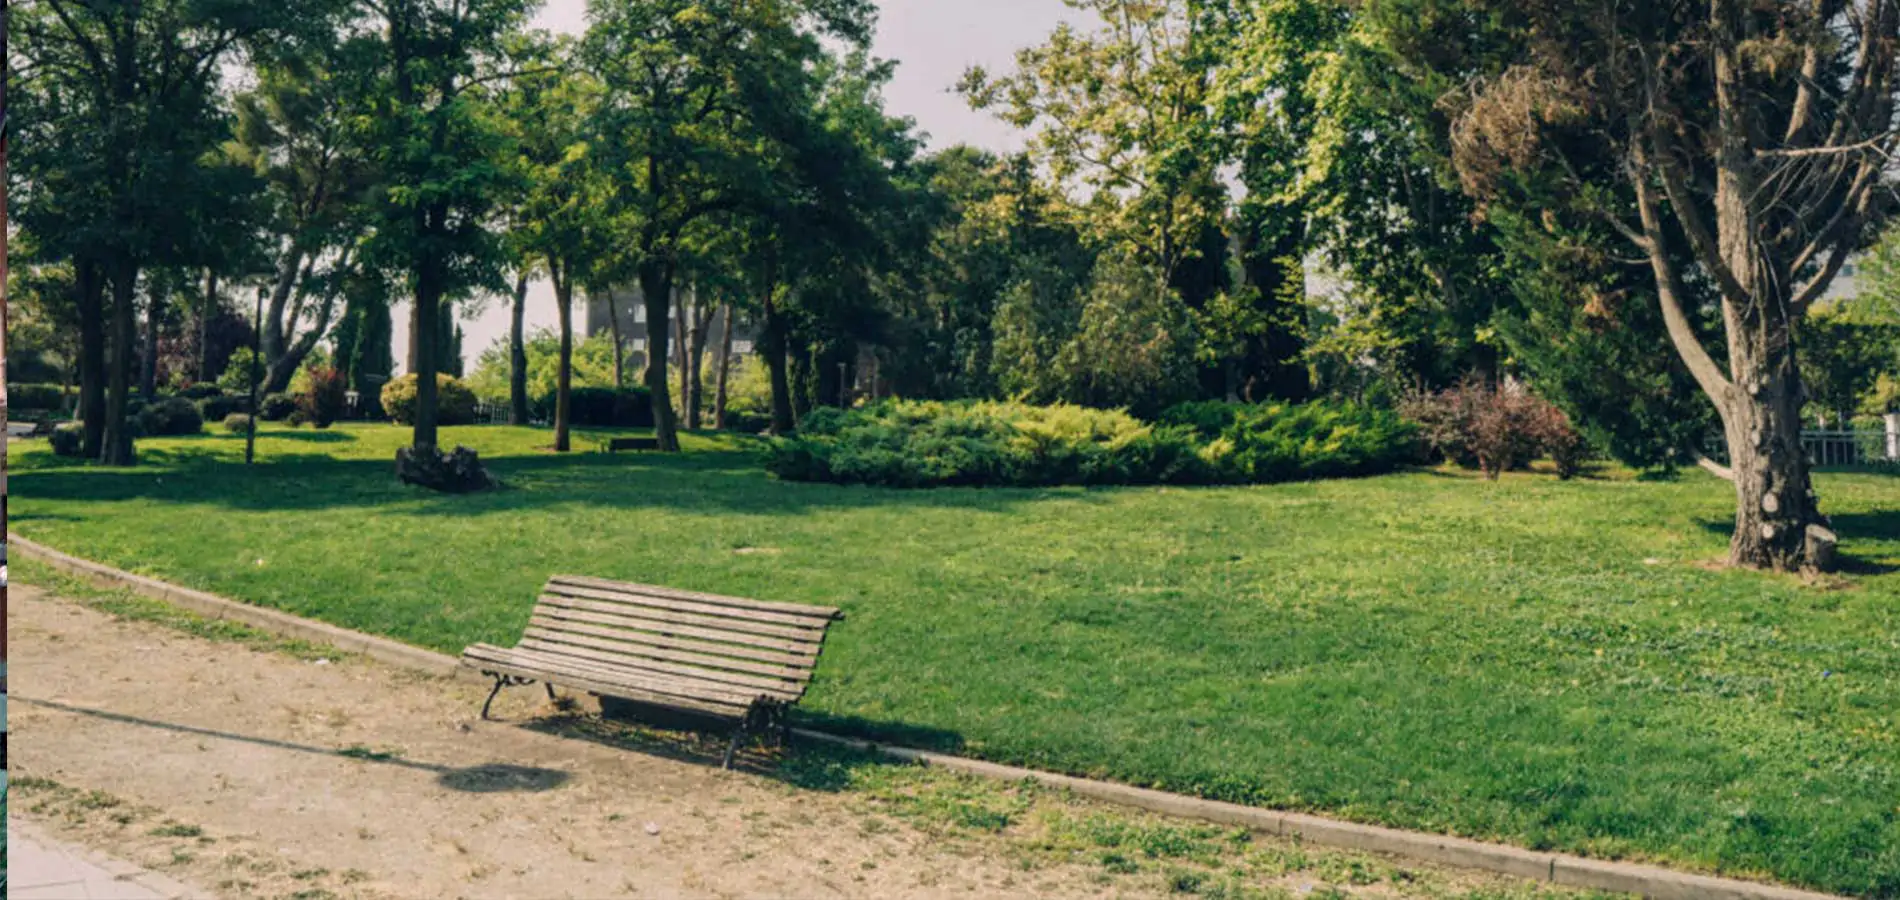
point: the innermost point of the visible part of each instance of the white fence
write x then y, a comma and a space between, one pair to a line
1837, 448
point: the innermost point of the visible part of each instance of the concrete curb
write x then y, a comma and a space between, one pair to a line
1557, 868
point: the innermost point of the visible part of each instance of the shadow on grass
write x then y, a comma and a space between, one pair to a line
1883, 525
489, 778
729, 481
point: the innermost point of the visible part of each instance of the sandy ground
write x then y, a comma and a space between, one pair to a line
255, 773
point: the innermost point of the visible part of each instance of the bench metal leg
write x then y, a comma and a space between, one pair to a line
550, 686
737, 736
500, 683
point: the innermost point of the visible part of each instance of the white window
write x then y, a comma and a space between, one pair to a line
742, 347
639, 313
638, 344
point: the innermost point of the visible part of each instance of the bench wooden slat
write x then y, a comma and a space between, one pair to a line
820, 614
728, 680
593, 682
672, 623
654, 682
706, 610
666, 636
644, 649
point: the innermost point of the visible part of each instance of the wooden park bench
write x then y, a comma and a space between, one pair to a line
745, 661
617, 445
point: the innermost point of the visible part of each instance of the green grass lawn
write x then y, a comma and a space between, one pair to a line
1546, 663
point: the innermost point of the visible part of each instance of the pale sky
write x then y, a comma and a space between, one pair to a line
934, 41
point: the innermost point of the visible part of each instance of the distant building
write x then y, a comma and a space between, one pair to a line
630, 304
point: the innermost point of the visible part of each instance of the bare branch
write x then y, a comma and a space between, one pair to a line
1715, 468
1669, 291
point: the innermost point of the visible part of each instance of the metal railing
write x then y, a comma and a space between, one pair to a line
1833, 448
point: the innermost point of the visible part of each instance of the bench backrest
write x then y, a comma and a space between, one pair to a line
727, 643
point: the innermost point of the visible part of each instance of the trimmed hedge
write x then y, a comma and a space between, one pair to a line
455, 403
277, 407
214, 409
593, 407
171, 417
67, 439
915, 444
36, 396
238, 423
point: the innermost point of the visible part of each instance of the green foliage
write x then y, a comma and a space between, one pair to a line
929, 444
277, 407
324, 399
239, 423
215, 408
1843, 357
201, 391
593, 367
36, 396
455, 403
237, 375
171, 417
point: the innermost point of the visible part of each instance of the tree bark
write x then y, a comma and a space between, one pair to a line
158, 289
274, 331
772, 345
724, 368
90, 288
679, 348
205, 311
620, 342
518, 355
656, 284
422, 344
1778, 521
116, 447
695, 361
564, 373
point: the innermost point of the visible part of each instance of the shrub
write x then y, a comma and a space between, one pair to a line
238, 423
455, 403
200, 391
908, 444
277, 407
323, 401
67, 439
171, 417
1496, 429
215, 408
36, 396
237, 374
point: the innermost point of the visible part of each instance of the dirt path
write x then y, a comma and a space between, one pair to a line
257, 773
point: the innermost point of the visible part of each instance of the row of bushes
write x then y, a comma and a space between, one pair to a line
923, 444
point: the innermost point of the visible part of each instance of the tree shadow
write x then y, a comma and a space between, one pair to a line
483, 779
1881, 525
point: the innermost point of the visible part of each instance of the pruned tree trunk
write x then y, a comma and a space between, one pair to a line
724, 366
1778, 522
518, 354
116, 445
564, 373
656, 284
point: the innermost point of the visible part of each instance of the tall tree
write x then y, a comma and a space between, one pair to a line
292, 130
432, 135
697, 95
1759, 131
561, 220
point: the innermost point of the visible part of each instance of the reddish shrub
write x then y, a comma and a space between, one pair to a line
324, 402
1495, 429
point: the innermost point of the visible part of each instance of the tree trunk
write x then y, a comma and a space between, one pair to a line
275, 331
116, 449
724, 368
800, 356
148, 358
518, 355
90, 287
564, 372
656, 283
695, 361
620, 342
679, 348
1778, 522
422, 352
205, 311
772, 345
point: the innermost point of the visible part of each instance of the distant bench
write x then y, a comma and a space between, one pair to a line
745, 661
618, 444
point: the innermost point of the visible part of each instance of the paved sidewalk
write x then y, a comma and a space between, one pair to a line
40, 868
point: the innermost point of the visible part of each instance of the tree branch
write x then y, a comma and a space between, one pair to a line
1669, 291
